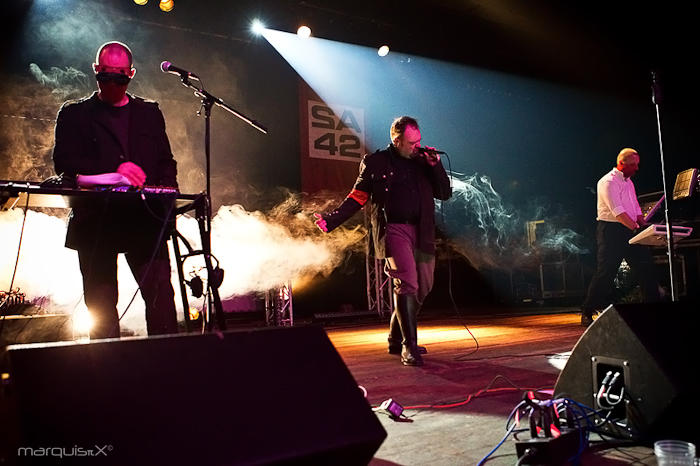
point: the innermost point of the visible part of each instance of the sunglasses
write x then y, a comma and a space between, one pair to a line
116, 78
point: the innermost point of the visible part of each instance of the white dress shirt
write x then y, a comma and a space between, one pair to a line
616, 195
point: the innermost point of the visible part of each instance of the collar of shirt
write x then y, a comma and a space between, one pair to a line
621, 176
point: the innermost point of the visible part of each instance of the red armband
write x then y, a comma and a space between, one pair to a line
359, 196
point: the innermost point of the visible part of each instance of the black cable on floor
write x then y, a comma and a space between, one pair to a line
449, 274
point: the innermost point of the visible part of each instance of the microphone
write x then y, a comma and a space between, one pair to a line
423, 150
167, 67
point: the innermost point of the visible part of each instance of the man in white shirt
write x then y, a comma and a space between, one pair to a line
619, 215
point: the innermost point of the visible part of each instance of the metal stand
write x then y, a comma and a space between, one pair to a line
214, 274
656, 98
203, 209
179, 259
379, 291
279, 309
380, 297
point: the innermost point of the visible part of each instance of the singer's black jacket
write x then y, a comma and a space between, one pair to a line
374, 184
77, 150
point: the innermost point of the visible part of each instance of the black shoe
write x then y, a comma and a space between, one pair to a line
410, 356
396, 349
586, 320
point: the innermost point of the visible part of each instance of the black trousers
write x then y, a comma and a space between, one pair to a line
613, 246
98, 266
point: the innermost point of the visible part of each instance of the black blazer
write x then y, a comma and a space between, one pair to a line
111, 223
374, 184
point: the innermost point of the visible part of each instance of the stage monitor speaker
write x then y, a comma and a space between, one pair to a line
654, 349
265, 396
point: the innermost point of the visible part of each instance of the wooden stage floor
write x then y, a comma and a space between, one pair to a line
515, 353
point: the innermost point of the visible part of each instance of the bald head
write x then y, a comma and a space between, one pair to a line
114, 52
628, 162
626, 154
113, 70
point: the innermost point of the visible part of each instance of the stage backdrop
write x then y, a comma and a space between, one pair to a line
332, 142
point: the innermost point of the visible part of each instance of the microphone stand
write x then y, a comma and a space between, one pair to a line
204, 214
657, 99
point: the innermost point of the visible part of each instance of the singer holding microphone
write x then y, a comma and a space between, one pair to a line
115, 138
400, 183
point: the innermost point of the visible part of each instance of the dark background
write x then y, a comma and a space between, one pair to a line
570, 88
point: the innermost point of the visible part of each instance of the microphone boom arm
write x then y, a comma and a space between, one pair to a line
210, 99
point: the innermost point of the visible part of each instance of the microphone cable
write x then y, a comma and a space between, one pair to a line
156, 249
449, 271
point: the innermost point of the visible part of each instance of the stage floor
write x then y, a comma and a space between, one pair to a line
515, 354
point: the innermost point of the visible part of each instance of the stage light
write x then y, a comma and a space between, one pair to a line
257, 27
140, 2
392, 408
166, 5
304, 32
82, 322
383, 51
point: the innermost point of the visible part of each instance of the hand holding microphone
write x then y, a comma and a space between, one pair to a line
431, 154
